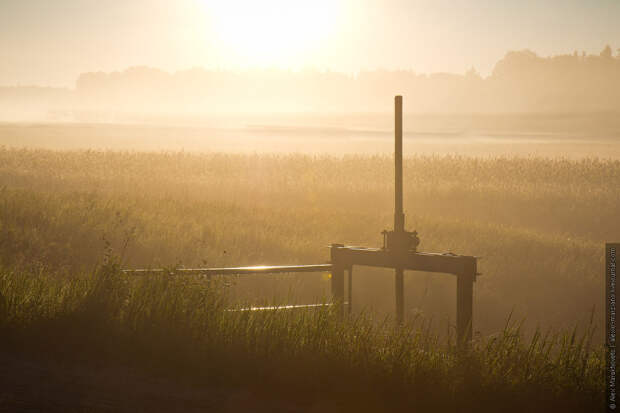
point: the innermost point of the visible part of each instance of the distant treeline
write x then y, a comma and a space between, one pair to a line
520, 82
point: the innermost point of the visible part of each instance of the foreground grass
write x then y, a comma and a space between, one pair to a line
177, 327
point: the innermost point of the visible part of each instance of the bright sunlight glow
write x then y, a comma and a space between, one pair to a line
271, 32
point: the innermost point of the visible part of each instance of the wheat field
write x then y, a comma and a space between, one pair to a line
539, 224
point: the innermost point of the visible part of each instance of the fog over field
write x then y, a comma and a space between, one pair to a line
523, 107
520, 82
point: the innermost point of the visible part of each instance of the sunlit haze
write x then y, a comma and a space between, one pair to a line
273, 33
49, 43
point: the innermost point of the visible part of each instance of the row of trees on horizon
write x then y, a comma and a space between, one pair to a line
521, 81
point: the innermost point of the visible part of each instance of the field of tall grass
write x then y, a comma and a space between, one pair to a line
70, 219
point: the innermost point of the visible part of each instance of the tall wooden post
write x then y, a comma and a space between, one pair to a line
464, 303
337, 280
399, 215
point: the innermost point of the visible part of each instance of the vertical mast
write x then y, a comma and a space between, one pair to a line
399, 216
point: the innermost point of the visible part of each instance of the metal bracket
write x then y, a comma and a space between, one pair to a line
400, 241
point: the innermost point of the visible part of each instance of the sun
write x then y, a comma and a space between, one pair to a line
279, 33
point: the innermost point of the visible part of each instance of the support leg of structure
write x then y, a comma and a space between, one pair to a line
350, 295
337, 281
338, 287
464, 307
400, 295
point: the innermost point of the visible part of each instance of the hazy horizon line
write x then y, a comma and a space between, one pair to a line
307, 69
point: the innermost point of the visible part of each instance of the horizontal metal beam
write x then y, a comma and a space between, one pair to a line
259, 269
283, 307
416, 261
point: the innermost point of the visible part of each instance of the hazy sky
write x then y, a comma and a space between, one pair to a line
49, 42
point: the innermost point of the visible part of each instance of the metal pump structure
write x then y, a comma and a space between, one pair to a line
399, 252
